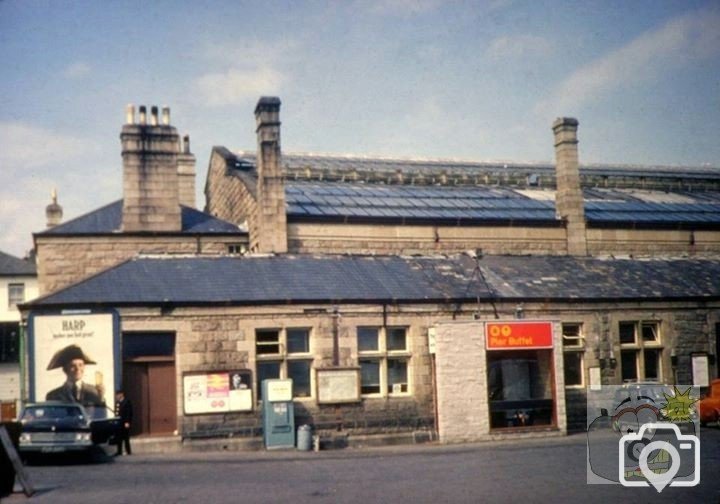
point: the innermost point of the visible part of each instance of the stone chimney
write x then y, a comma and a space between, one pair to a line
53, 212
271, 214
186, 173
150, 173
569, 203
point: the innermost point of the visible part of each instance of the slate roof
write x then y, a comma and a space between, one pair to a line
108, 220
12, 266
301, 279
333, 195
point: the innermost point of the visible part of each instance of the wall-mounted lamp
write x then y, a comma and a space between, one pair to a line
673, 358
519, 312
613, 360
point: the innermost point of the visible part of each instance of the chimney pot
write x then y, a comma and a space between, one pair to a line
154, 116
166, 115
186, 144
130, 114
143, 115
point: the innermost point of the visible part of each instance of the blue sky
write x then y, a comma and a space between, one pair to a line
404, 78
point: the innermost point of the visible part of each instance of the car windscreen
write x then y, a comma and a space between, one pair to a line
51, 412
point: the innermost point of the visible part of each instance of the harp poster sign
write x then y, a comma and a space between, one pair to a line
72, 357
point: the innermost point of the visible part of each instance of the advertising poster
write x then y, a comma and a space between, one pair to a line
72, 358
217, 392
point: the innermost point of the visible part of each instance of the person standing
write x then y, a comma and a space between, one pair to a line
124, 411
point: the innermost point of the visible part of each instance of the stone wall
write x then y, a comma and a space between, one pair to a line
223, 338
648, 242
411, 239
231, 198
62, 261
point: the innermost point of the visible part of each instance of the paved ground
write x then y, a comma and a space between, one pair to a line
547, 471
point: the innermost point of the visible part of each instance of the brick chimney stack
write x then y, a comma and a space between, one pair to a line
53, 212
271, 215
150, 173
186, 173
569, 203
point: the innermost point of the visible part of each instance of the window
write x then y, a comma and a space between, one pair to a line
284, 354
16, 294
383, 356
520, 388
236, 248
573, 353
640, 351
9, 342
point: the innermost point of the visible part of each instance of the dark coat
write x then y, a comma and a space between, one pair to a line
124, 410
89, 395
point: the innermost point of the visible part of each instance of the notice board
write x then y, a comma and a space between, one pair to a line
338, 385
217, 391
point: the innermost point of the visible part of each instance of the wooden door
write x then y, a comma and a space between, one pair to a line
161, 383
150, 386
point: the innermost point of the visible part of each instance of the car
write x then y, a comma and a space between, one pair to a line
710, 405
56, 427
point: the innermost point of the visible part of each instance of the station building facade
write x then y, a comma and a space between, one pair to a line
397, 273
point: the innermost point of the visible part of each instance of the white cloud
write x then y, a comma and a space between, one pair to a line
252, 53
401, 7
518, 47
77, 70
27, 146
651, 55
236, 86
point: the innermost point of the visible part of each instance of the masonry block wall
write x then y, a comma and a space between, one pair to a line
150, 174
232, 198
412, 239
461, 377
62, 261
223, 338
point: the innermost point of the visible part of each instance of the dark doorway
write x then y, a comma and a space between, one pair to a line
149, 381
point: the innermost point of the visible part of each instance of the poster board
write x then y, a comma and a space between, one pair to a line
700, 370
338, 385
74, 347
207, 392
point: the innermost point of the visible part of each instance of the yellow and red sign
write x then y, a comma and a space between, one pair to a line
513, 335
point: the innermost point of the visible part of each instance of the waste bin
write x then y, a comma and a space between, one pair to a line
304, 438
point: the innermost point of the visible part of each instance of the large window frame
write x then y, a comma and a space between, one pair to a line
573, 338
285, 353
9, 342
16, 294
641, 350
384, 358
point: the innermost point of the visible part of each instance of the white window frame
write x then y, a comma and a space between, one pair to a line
13, 297
382, 355
283, 356
574, 345
639, 346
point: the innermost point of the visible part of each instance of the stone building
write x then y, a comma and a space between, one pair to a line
156, 215
296, 315
18, 284
404, 274
345, 204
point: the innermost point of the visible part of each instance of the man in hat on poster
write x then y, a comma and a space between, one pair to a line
72, 360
